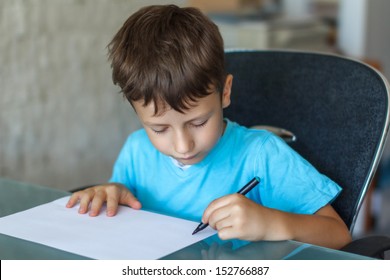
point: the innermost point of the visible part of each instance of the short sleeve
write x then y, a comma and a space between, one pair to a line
291, 183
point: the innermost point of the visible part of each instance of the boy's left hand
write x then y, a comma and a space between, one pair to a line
235, 216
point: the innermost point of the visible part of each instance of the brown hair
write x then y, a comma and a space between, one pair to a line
169, 55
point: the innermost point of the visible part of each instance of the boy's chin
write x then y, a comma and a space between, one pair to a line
191, 160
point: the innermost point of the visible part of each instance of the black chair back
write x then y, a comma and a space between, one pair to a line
337, 108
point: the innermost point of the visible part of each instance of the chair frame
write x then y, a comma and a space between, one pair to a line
382, 143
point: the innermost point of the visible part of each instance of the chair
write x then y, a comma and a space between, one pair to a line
336, 107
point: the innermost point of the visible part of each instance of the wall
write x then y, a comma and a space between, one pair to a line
62, 122
378, 35
363, 31
352, 27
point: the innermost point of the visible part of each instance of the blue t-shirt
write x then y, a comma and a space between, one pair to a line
288, 182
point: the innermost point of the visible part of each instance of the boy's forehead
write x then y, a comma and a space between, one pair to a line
194, 106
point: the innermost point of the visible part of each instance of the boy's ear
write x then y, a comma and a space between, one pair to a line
227, 91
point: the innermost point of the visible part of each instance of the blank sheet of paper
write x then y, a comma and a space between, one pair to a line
131, 234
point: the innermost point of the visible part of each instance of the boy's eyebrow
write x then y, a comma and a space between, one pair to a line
207, 115
204, 116
154, 124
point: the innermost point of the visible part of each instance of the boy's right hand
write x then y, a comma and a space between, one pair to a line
92, 199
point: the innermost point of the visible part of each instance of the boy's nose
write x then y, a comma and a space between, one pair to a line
183, 143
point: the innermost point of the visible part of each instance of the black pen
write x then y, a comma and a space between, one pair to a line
244, 190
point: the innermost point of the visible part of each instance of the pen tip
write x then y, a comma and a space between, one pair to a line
200, 227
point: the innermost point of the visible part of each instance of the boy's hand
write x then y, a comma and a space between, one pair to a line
94, 197
235, 216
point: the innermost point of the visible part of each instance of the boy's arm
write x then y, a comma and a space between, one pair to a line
235, 216
324, 228
93, 198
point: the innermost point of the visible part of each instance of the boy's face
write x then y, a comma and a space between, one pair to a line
190, 136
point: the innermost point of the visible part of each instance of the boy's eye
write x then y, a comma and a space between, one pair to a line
158, 131
200, 124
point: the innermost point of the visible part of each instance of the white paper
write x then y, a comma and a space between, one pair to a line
131, 234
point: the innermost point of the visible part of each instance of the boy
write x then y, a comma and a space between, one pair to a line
188, 160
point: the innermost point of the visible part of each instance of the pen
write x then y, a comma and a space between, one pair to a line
244, 190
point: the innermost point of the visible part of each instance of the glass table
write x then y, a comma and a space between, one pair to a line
18, 196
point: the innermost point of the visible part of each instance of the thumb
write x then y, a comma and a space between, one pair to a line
127, 198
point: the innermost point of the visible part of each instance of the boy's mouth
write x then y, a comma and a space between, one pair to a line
187, 160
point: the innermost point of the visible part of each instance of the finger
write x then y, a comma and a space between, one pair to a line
227, 233
220, 217
112, 204
97, 203
73, 200
223, 223
215, 204
85, 199
129, 199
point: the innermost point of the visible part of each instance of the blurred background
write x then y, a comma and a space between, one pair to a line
63, 122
